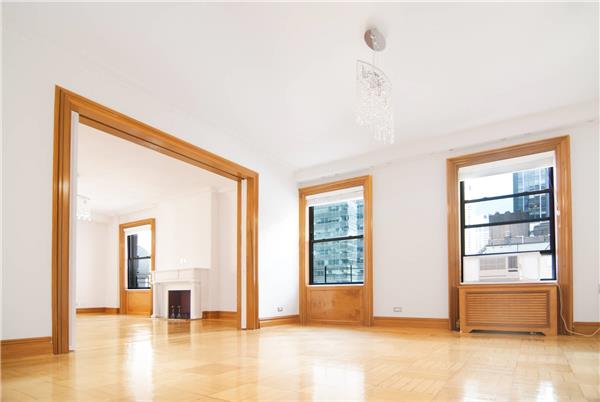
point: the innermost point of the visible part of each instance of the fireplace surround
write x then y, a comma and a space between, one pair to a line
177, 287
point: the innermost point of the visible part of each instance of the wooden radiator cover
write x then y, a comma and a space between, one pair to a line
509, 307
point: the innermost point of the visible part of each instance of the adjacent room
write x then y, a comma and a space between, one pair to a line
224, 201
155, 237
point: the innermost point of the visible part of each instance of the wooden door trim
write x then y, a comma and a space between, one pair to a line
120, 125
122, 284
367, 184
564, 239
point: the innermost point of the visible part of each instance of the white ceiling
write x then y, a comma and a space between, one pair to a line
283, 75
121, 177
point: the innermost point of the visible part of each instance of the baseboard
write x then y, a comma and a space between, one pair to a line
586, 328
334, 323
220, 315
411, 322
97, 310
25, 347
282, 320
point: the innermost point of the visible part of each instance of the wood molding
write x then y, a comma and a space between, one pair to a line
252, 321
561, 148
220, 315
122, 126
25, 347
281, 320
586, 328
411, 322
238, 257
364, 291
97, 310
143, 305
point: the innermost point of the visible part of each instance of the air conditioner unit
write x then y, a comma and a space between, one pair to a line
499, 268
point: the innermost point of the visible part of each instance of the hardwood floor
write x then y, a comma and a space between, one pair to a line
134, 358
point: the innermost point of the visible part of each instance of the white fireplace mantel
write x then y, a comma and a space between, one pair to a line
176, 279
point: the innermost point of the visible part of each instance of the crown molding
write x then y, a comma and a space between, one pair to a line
491, 134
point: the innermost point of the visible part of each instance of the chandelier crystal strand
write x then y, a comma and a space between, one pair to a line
374, 109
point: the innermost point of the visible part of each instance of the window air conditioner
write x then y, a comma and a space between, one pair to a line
499, 268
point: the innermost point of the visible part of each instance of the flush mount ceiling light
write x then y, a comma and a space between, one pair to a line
374, 93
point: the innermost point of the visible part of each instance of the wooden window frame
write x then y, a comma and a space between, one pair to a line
127, 128
367, 295
563, 227
123, 285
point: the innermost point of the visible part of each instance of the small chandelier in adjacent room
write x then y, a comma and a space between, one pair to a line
84, 211
374, 92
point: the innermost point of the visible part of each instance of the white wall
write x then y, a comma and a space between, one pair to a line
278, 285
184, 232
409, 239
226, 233
1, 184
585, 182
96, 264
410, 224
31, 69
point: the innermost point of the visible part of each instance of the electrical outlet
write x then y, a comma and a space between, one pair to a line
397, 309
279, 309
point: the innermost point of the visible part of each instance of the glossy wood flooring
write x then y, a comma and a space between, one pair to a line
129, 358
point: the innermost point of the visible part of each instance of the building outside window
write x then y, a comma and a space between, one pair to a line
336, 243
507, 227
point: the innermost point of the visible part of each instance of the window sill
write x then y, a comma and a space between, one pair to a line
519, 283
335, 285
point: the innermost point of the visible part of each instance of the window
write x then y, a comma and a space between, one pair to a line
139, 259
336, 243
507, 227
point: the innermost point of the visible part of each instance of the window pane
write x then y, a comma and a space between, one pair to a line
508, 209
340, 261
139, 273
144, 243
519, 237
338, 220
532, 266
507, 183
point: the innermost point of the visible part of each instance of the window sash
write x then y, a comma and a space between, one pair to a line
550, 219
312, 242
502, 223
337, 239
131, 259
311, 265
512, 195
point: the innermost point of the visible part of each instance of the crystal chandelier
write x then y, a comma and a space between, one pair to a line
374, 93
84, 212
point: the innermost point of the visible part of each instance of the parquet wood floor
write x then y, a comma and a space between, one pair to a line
135, 358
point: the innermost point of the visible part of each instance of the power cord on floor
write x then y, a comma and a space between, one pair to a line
565, 322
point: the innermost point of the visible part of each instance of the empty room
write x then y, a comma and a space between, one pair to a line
300, 201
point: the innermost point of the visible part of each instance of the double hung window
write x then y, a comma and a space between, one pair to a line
336, 242
139, 259
507, 226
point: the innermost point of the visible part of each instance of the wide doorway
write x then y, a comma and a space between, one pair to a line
147, 225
